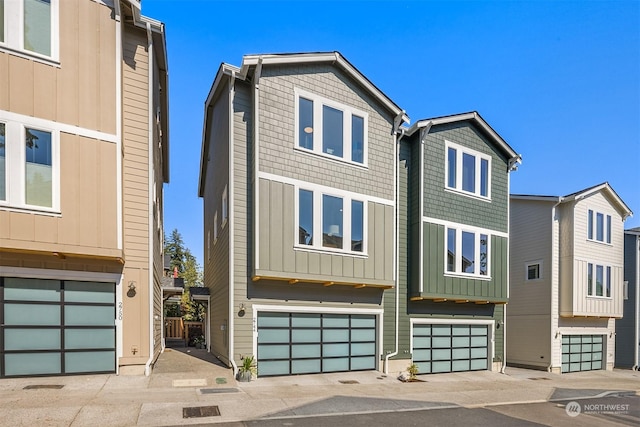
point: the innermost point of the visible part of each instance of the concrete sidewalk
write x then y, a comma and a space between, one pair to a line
193, 380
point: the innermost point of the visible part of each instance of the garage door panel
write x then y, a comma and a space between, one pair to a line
319, 343
450, 348
94, 292
31, 314
581, 353
32, 364
89, 338
31, 289
89, 315
89, 361
31, 339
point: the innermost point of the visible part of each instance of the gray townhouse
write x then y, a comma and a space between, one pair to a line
297, 174
628, 328
447, 313
566, 278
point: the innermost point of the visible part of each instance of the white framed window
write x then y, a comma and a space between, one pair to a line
598, 227
467, 171
598, 280
30, 27
625, 289
533, 270
29, 167
467, 252
330, 129
330, 222
215, 227
225, 207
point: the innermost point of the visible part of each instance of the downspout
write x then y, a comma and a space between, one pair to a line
119, 212
397, 135
555, 266
147, 366
636, 330
230, 208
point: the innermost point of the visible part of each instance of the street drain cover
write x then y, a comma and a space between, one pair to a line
200, 412
221, 380
218, 390
43, 386
348, 382
539, 378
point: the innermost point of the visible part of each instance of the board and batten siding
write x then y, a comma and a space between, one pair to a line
574, 299
278, 258
529, 309
625, 327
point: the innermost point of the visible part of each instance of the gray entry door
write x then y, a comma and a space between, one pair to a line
450, 348
307, 343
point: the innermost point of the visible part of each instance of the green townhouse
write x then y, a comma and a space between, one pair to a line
337, 239
447, 313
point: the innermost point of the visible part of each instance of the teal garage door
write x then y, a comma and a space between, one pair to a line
450, 348
309, 343
582, 352
54, 327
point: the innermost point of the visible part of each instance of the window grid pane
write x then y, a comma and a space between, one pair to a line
451, 249
451, 180
599, 278
468, 252
589, 279
590, 224
38, 185
305, 131
484, 254
608, 283
305, 217
600, 227
608, 228
357, 219
37, 26
357, 139
332, 222
332, 131
484, 177
468, 172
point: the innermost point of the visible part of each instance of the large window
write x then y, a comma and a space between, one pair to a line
598, 280
330, 129
28, 167
467, 252
340, 220
30, 26
468, 171
598, 226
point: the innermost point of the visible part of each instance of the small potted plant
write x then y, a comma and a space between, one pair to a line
199, 342
413, 371
247, 369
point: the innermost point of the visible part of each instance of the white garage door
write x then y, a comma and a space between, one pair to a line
450, 348
305, 343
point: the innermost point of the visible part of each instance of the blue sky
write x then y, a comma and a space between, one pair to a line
559, 81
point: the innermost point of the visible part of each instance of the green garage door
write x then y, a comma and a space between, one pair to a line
450, 348
54, 327
582, 352
307, 343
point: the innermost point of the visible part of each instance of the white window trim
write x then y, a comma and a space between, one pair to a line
526, 270
460, 150
347, 198
208, 245
348, 112
15, 167
215, 227
477, 232
604, 281
14, 33
225, 207
605, 234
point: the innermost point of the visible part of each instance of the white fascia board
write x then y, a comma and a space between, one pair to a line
551, 199
334, 57
604, 187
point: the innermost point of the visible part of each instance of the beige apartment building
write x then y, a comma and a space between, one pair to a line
83, 158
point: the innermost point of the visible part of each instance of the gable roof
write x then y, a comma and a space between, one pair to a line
475, 118
252, 61
604, 187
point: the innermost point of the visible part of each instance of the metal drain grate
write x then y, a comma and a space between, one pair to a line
200, 412
43, 386
348, 382
219, 390
539, 378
